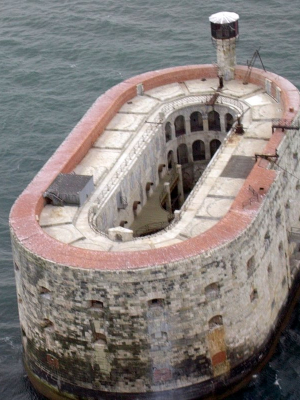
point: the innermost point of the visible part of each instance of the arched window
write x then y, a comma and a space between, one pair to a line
214, 121
179, 126
156, 303
212, 291
228, 122
99, 338
250, 266
168, 131
170, 159
182, 154
214, 145
47, 325
96, 304
196, 121
45, 292
198, 150
215, 322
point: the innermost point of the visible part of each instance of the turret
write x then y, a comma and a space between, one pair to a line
224, 32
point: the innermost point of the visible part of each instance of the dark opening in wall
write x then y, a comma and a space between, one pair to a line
135, 205
156, 303
47, 325
214, 145
214, 121
250, 266
212, 291
278, 218
198, 150
267, 240
170, 160
118, 237
270, 269
148, 186
196, 121
99, 338
17, 268
168, 131
44, 292
215, 322
228, 122
24, 336
253, 295
280, 248
179, 126
96, 304
182, 154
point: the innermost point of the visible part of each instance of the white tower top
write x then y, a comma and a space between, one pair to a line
224, 17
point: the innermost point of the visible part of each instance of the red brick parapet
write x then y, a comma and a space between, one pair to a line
24, 214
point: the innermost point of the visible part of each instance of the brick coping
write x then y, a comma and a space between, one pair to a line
27, 208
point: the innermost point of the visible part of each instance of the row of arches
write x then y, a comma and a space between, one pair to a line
196, 123
198, 152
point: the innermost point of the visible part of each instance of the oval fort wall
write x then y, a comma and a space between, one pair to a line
153, 321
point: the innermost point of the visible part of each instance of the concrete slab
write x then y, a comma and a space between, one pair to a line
125, 122
130, 246
164, 243
249, 147
226, 187
90, 245
261, 129
53, 215
166, 92
112, 140
237, 89
64, 233
198, 86
97, 162
140, 105
97, 158
258, 99
198, 226
267, 111
214, 207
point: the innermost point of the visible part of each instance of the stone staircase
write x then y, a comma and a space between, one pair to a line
152, 217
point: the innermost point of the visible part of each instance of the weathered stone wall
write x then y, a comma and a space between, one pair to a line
164, 318
169, 325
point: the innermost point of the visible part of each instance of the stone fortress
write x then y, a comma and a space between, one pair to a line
156, 253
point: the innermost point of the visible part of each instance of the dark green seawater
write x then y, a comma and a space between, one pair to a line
58, 56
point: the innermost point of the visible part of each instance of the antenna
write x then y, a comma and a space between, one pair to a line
250, 66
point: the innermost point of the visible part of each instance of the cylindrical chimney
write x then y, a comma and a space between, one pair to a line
224, 32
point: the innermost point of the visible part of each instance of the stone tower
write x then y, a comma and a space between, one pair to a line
224, 32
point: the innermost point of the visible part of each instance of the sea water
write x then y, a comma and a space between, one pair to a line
58, 56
